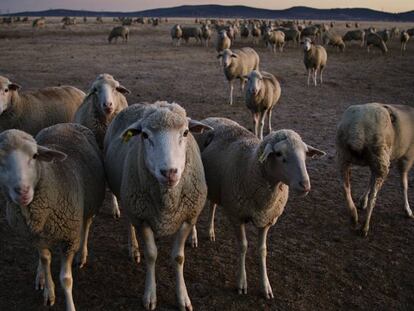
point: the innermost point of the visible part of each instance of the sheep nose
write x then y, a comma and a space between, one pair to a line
170, 174
305, 185
21, 190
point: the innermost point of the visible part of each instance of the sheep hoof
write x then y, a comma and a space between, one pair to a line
149, 301
48, 297
243, 291
212, 236
135, 256
364, 232
186, 305
411, 216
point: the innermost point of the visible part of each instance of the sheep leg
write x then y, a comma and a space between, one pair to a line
231, 83
243, 244
211, 231
116, 213
375, 187
346, 184
256, 124
315, 73
242, 84
82, 255
149, 299
49, 290
404, 167
309, 75
40, 277
178, 258
66, 279
321, 75
269, 119
363, 200
133, 246
262, 117
194, 237
262, 249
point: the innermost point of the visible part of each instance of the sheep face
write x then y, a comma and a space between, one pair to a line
284, 158
223, 34
105, 88
18, 170
228, 57
163, 139
254, 82
307, 44
6, 89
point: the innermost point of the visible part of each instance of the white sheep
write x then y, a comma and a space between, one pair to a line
33, 111
262, 94
154, 166
264, 171
53, 187
315, 59
275, 39
176, 34
205, 34
375, 135
237, 64
223, 41
104, 101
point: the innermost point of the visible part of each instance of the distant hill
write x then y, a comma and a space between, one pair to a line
239, 11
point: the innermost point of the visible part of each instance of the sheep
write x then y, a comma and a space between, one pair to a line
357, 35
348, 25
315, 58
119, 31
154, 167
411, 32
256, 33
356, 25
333, 39
311, 32
176, 34
237, 64
39, 23
292, 35
374, 39
375, 135
262, 94
205, 34
223, 41
33, 111
244, 32
99, 20
191, 32
103, 102
384, 34
264, 171
404, 39
395, 32
53, 187
276, 39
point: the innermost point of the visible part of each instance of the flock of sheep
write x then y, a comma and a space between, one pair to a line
161, 166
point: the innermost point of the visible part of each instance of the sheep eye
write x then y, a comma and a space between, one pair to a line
278, 154
185, 134
144, 135
35, 156
6, 90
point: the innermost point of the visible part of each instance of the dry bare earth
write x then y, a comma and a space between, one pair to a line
315, 260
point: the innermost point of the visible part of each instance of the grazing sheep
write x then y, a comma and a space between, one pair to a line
375, 135
404, 39
276, 39
33, 111
237, 64
39, 23
355, 35
191, 32
176, 34
315, 58
292, 35
348, 25
264, 171
385, 35
53, 187
205, 34
103, 102
154, 167
119, 31
223, 41
374, 39
335, 40
262, 94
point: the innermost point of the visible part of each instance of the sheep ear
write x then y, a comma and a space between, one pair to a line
220, 55
14, 87
48, 155
266, 152
123, 90
197, 126
314, 153
133, 130
234, 55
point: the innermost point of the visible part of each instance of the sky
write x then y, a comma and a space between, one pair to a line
138, 5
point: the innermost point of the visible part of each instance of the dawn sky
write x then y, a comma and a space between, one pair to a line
138, 5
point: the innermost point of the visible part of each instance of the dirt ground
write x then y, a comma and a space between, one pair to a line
316, 261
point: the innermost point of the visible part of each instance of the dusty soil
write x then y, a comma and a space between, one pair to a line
316, 261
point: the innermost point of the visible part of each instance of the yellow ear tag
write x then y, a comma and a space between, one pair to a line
127, 136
